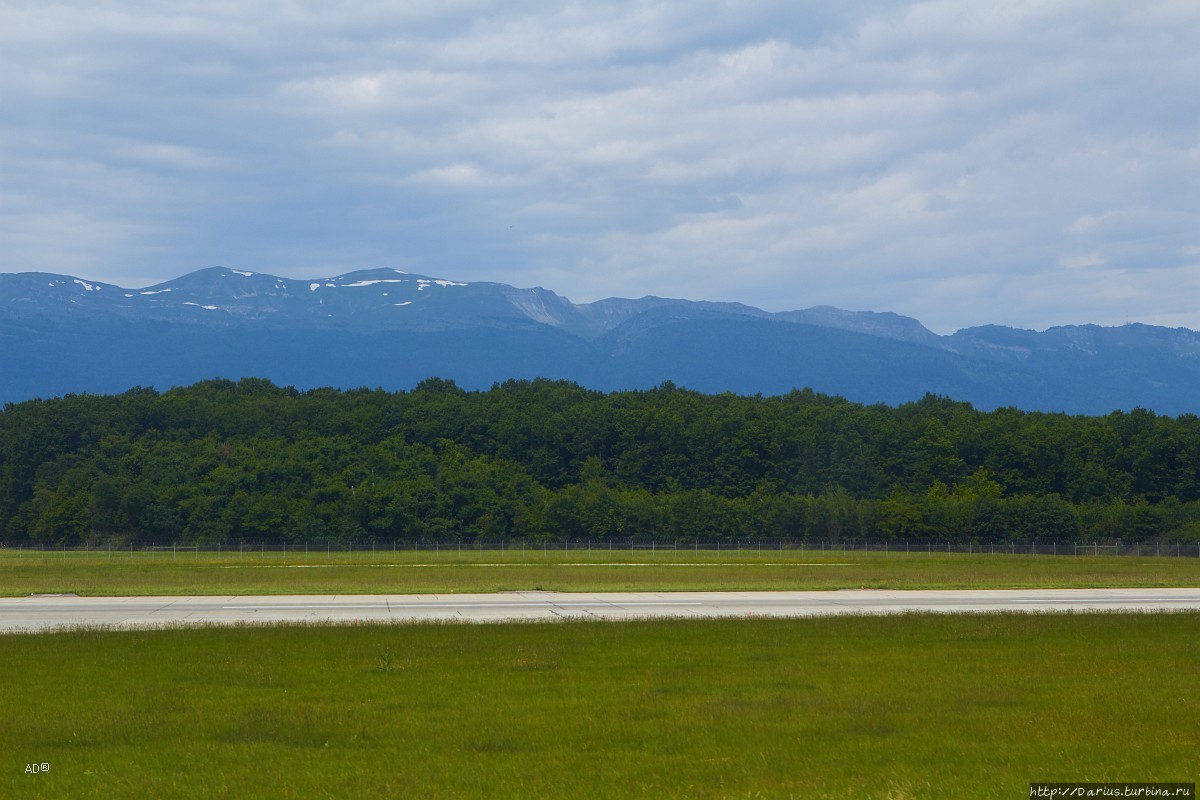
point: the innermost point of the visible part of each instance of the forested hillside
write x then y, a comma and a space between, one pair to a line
224, 461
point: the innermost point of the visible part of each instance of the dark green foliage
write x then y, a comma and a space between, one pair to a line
226, 461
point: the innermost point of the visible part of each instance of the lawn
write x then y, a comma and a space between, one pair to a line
387, 571
916, 706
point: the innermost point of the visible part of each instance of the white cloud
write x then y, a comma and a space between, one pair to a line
170, 155
1083, 261
460, 176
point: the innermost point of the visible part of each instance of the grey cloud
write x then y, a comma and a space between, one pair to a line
1028, 163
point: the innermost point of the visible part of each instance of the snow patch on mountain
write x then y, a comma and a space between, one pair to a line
372, 283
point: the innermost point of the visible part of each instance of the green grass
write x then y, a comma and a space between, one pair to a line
386, 571
917, 706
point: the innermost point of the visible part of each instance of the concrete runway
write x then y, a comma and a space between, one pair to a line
43, 612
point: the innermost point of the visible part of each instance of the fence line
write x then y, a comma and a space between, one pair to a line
730, 548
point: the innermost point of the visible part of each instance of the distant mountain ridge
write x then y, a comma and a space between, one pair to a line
384, 327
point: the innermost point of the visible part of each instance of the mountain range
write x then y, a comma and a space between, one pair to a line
61, 334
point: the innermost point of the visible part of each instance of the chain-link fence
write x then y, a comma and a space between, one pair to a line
623, 549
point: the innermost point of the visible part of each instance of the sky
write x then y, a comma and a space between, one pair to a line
1026, 163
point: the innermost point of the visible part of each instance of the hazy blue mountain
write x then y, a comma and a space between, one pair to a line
387, 328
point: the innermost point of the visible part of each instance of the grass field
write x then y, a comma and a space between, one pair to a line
386, 571
919, 706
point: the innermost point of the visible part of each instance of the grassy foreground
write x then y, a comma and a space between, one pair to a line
919, 706
406, 572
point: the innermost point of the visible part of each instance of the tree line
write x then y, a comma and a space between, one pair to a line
247, 460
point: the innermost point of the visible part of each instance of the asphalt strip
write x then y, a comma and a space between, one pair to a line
49, 613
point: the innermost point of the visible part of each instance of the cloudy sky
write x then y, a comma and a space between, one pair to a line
1027, 163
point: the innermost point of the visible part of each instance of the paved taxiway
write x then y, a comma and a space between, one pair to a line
42, 612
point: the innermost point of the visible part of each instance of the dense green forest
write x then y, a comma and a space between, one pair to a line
226, 461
